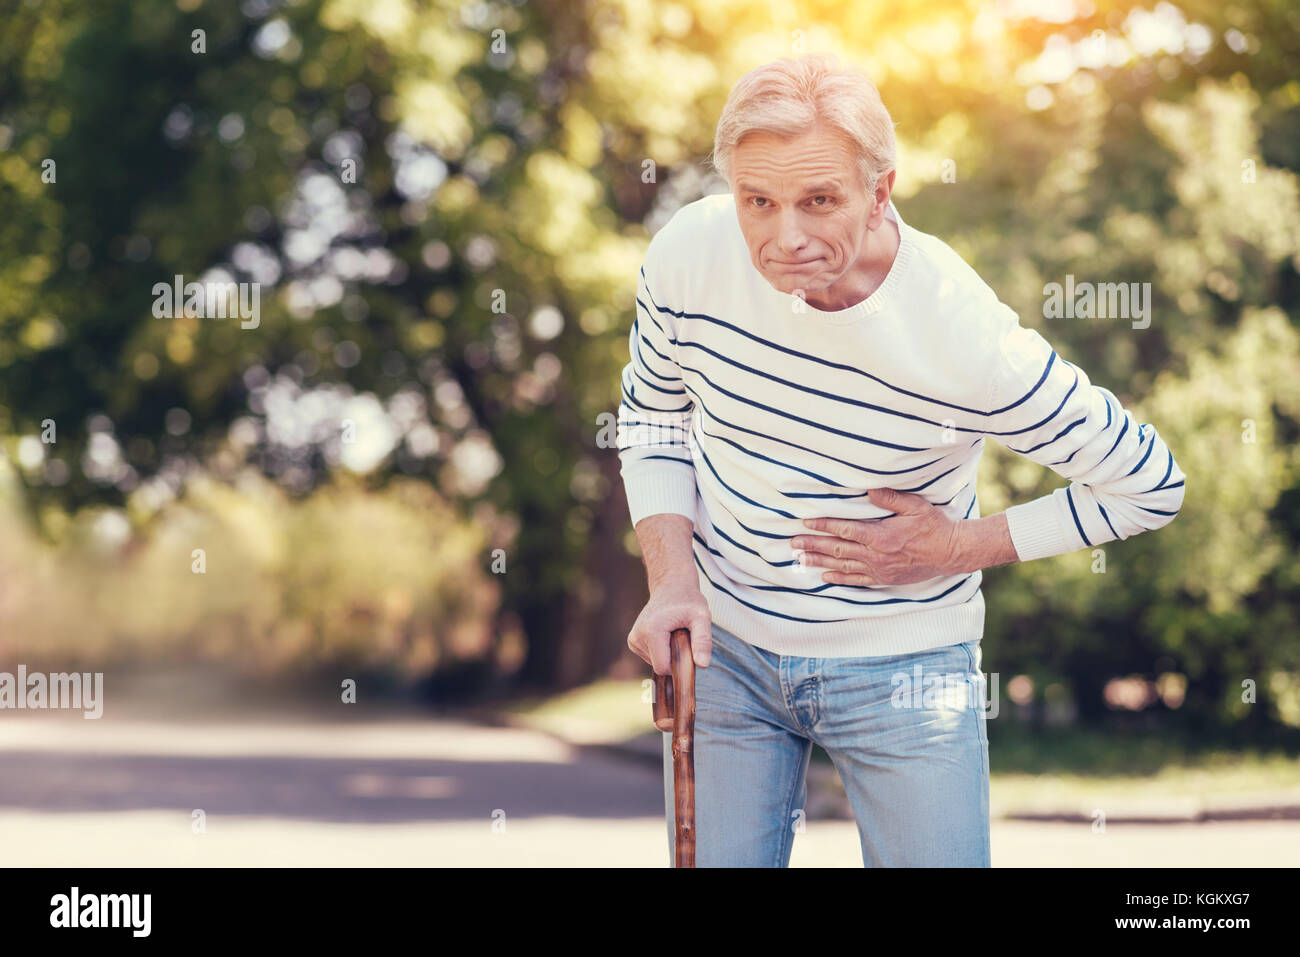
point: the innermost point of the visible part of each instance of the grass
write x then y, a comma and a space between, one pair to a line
1072, 766
604, 712
1030, 769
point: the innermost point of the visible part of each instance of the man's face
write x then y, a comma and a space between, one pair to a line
802, 207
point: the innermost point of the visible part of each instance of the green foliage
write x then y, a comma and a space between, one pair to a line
171, 162
247, 577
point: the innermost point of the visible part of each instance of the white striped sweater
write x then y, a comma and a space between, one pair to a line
747, 414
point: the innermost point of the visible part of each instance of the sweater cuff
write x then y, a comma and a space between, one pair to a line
656, 491
1040, 530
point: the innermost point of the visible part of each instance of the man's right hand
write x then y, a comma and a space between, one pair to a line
671, 606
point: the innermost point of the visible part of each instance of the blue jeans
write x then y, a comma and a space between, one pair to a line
907, 735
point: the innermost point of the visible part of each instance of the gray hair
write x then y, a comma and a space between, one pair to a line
788, 96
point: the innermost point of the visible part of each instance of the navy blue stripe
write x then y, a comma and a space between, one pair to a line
1055, 412
743, 498
668, 442
765, 458
637, 339
722, 504
745, 548
699, 400
917, 488
835, 495
770, 614
742, 547
654, 322
1144, 457
841, 366
863, 494
837, 365
810, 494
752, 531
1107, 518
1065, 461
655, 425
1037, 385
1068, 428
1168, 469
799, 419
891, 445
809, 591
846, 400
867, 405
631, 400
658, 388
652, 348
1074, 512
829, 585
1041, 380
1120, 438
650, 315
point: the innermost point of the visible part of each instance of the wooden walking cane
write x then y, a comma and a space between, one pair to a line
674, 710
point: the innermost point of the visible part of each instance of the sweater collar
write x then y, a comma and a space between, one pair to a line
878, 298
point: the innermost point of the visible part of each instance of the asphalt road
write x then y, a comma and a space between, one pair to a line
417, 792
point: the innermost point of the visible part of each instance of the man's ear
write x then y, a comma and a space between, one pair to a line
884, 187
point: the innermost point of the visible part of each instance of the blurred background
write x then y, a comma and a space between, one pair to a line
402, 480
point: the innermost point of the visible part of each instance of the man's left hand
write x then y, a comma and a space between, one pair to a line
917, 543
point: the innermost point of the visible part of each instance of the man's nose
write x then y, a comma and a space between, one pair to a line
792, 238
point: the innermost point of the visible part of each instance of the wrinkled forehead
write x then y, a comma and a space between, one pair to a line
821, 160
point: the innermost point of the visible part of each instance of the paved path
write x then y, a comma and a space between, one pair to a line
418, 792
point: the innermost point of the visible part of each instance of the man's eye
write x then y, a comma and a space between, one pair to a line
757, 199
827, 198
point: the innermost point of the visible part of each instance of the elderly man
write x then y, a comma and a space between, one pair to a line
810, 385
